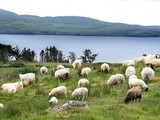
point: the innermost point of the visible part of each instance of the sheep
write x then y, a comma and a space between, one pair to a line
105, 67
130, 71
59, 67
83, 83
128, 63
53, 101
155, 63
79, 93
68, 69
86, 71
147, 73
43, 70
116, 79
76, 64
133, 94
61, 73
60, 90
1, 105
149, 58
12, 87
140, 59
137, 82
27, 78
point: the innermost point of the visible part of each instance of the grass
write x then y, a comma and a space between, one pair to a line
106, 104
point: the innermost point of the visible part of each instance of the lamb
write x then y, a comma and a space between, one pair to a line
147, 73
80, 93
76, 64
27, 78
62, 73
86, 71
105, 67
137, 82
43, 70
133, 94
128, 63
12, 87
155, 63
116, 79
60, 90
130, 71
53, 101
1, 105
83, 83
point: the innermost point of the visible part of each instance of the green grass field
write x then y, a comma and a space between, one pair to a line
105, 104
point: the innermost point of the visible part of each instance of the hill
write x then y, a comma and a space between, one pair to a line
12, 23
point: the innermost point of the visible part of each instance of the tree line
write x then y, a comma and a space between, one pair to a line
49, 54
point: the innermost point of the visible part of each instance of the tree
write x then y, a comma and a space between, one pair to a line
16, 53
88, 56
42, 56
72, 56
61, 57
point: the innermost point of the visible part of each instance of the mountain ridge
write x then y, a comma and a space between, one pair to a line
12, 23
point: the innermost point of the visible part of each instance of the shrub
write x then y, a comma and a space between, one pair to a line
16, 64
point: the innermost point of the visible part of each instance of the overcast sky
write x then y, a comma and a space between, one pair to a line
142, 12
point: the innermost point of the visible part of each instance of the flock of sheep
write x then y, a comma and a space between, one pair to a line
136, 85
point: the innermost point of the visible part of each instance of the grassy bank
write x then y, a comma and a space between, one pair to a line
105, 104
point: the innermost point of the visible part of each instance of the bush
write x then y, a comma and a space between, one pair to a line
28, 69
16, 64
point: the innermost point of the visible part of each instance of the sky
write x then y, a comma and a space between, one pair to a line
141, 12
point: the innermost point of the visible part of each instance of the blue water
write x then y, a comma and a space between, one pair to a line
109, 49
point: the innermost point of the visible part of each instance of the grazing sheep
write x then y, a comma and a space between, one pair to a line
137, 82
80, 93
12, 87
76, 64
62, 73
128, 63
105, 67
116, 79
140, 59
86, 71
53, 101
130, 71
1, 105
59, 67
133, 94
147, 73
149, 57
60, 90
83, 83
155, 63
27, 78
43, 70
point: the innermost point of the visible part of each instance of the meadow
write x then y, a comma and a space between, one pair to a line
105, 103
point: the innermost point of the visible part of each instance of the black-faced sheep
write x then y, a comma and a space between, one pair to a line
133, 94
155, 63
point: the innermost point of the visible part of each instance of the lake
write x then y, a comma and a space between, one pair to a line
109, 49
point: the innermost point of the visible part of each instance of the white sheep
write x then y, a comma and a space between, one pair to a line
1, 105
86, 71
137, 82
149, 57
76, 64
155, 63
12, 87
116, 79
43, 70
83, 83
147, 73
128, 63
140, 59
60, 90
130, 71
27, 78
62, 73
53, 101
59, 67
105, 67
79, 93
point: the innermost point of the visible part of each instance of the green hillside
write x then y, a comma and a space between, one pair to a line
31, 103
11, 23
